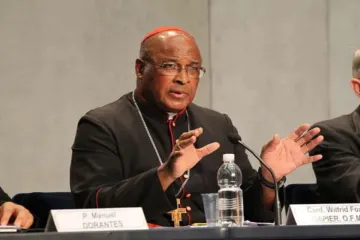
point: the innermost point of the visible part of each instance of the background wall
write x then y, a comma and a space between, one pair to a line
343, 39
272, 65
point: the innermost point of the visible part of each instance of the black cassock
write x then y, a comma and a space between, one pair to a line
338, 172
114, 163
3, 197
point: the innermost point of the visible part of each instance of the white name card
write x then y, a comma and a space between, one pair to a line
98, 219
323, 214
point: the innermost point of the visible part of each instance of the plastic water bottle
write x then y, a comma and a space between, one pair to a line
229, 177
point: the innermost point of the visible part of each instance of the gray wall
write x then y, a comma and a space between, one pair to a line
270, 59
271, 66
343, 39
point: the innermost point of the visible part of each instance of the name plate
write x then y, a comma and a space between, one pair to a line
98, 219
323, 214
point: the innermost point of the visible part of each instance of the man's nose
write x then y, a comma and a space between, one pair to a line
182, 77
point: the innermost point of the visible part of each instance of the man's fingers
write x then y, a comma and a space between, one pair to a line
20, 219
23, 218
271, 145
29, 221
312, 159
308, 136
176, 154
196, 132
311, 145
5, 214
180, 145
208, 149
299, 131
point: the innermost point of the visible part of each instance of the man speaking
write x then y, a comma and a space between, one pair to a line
140, 150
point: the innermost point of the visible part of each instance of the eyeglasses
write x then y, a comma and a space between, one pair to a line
172, 69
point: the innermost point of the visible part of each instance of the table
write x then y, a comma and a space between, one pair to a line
268, 232
297, 232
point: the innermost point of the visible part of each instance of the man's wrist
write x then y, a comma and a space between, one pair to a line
165, 177
267, 180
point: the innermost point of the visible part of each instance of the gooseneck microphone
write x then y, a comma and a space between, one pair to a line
236, 139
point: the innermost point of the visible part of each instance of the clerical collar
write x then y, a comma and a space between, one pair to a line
151, 110
171, 115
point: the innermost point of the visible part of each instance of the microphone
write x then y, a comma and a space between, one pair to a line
236, 139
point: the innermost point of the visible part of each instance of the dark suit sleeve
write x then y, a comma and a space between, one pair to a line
96, 175
3, 197
254, 208
338, 172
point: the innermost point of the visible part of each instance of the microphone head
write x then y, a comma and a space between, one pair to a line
234, 137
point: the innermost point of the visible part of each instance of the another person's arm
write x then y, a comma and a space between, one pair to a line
338, 173
3, 197
23, 218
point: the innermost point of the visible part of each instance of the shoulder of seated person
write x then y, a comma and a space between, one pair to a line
339, 123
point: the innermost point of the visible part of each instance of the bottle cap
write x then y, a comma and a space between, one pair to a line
228, 157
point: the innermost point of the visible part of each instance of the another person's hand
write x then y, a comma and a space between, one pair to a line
23, 218
184, 156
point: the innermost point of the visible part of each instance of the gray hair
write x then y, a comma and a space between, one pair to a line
356, 65
144, 52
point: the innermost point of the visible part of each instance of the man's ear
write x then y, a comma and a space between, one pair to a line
139, 68
355, 85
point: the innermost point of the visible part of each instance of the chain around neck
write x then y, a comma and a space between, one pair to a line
153, 143
147, 129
